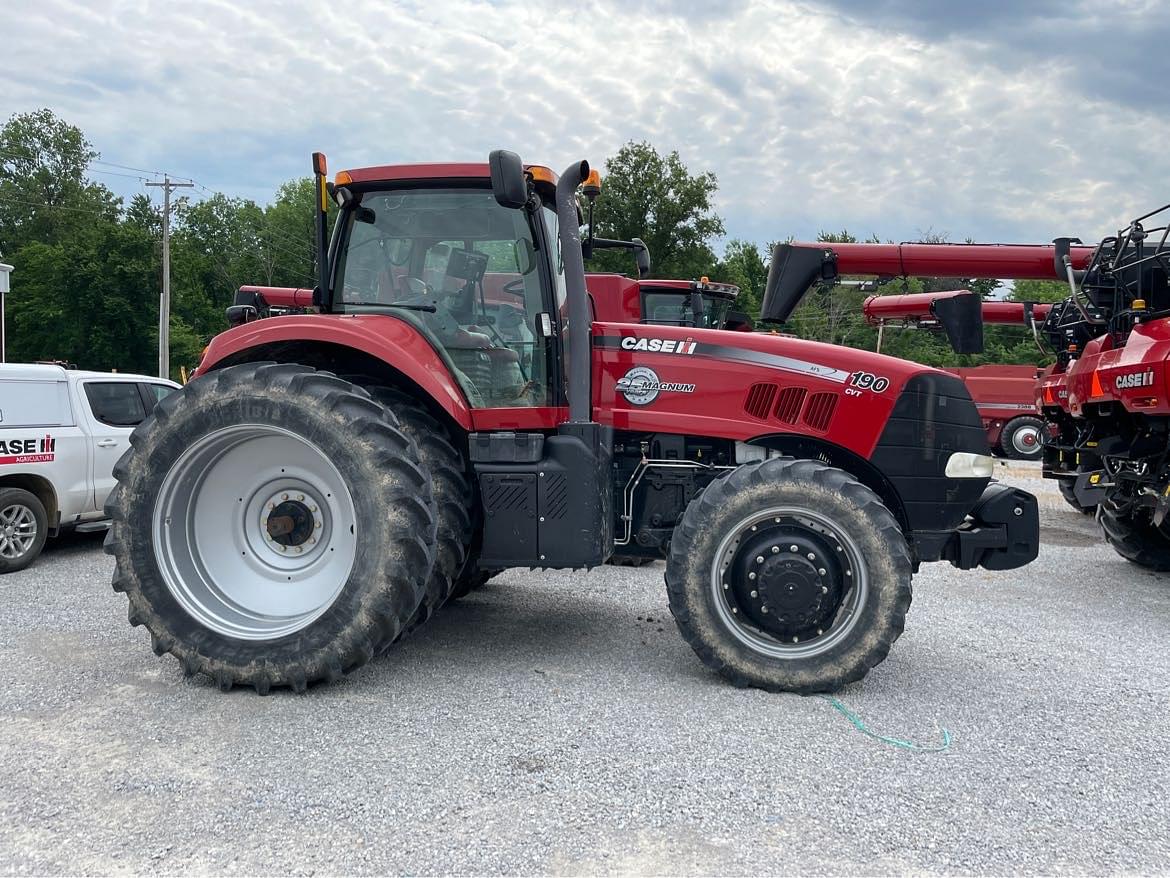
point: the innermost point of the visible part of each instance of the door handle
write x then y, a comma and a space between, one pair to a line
106, 443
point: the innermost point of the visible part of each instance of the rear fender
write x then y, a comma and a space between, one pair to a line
377, 345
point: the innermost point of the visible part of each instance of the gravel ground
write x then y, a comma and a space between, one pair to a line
558, 723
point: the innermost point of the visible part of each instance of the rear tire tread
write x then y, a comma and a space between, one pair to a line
379, 611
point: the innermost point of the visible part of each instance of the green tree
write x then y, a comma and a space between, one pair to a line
743, 265
44, 195
654, 197
1038, 291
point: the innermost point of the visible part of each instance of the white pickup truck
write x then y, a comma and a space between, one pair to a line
61, 432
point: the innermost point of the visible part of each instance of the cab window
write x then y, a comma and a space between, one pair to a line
675, 309
464, 271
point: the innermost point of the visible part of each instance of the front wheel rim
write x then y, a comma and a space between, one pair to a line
18, 531
789, 546
255, 532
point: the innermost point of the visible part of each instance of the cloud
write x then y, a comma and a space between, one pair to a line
882, 117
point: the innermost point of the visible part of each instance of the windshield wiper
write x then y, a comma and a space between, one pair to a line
430, 309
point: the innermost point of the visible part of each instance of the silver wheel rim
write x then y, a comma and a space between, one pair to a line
18, 531
255, 532
1026, 440
852, 602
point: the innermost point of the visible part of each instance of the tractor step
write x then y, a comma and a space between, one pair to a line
90, 527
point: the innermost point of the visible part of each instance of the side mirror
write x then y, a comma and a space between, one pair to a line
509, 185
642, 257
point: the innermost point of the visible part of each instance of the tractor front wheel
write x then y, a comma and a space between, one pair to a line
789, 575
1070, 497
272, 526
1136, 538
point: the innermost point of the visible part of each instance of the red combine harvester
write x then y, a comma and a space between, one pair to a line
1006, 399
448, 405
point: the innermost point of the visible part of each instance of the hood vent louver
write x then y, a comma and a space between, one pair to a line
759, 400
790, 403
819, 411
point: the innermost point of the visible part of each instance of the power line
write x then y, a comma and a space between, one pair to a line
43, 206
118, 174
131, 168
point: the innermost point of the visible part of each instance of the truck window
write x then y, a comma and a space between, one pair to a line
156, 393
116, 403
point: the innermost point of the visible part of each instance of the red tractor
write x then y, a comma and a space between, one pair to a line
448, 405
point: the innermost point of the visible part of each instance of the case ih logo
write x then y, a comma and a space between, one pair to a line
1135, 379
659, 345
28, 450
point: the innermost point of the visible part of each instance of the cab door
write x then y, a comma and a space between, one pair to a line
114, 408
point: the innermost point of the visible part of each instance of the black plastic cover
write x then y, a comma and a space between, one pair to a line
1003, 533
556, 511
793, 271
933, 418
961, 317
506, 447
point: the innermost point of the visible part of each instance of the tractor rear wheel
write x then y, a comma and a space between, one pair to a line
789, 575
471, 579
1136, 538
1020, 439
452, 487
272, 526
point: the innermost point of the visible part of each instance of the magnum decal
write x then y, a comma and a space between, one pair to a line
641, 386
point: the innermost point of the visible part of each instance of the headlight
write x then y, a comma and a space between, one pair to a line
966, 465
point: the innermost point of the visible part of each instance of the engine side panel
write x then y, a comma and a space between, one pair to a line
700, 382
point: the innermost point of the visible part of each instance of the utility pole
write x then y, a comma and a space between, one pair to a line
164, 300
5, 271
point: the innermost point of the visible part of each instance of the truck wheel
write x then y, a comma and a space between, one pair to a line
1020, 439
23, 528
790, 576
272, 526
453, 492
1136, 539
1066, 491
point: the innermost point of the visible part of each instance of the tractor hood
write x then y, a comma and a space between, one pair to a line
746, 385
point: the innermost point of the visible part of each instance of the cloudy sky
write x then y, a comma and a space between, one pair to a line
996, 120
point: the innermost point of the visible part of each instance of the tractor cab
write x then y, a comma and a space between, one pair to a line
698, 304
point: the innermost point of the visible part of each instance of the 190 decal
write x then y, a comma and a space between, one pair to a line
869, 381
